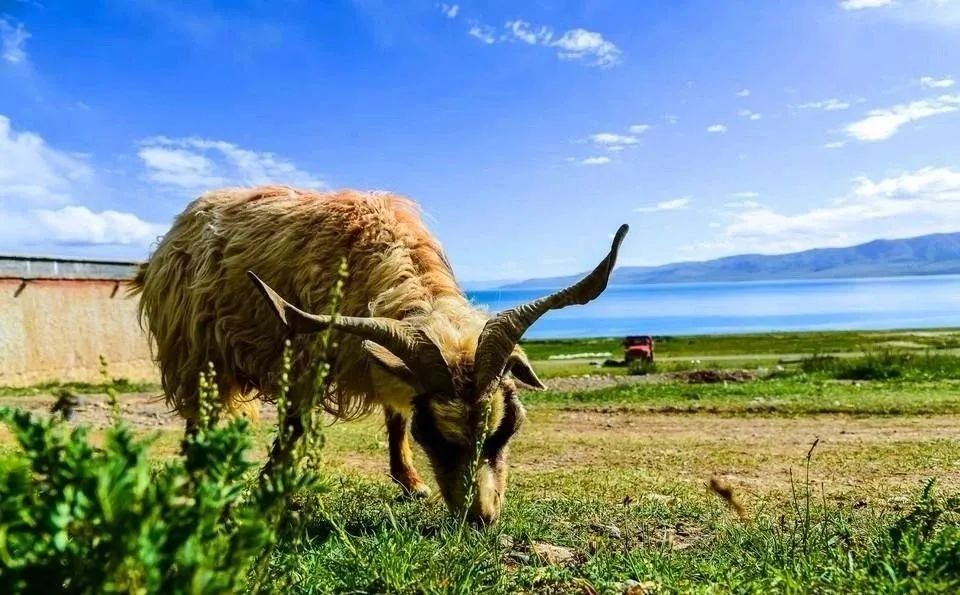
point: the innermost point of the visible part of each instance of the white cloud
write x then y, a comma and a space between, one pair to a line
13, 41
610, 138
743, 93
80, 225
747, 194
912, 203
750, 115
717, 128
639, 128
837, 144
828, 105
602, 160
576, 44
743, 204
179, 167
932, 83
881, 124
942, 183
931, 13
612, 141
33, 173
197, 164
483, 33
670, 119
449, 10
589, 46
522, 31
675, 204
38, 186
862, 4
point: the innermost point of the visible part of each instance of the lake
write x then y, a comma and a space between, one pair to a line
715, 308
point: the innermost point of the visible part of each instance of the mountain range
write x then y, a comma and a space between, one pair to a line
934, 254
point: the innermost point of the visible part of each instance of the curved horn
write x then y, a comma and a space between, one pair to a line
501, 333
417, 351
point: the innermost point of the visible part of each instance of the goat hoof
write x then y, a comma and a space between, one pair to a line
418, 492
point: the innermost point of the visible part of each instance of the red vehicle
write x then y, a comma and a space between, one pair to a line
638, 347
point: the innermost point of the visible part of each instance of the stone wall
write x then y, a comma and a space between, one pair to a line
54, 328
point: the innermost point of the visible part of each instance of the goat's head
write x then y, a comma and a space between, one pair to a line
464, 412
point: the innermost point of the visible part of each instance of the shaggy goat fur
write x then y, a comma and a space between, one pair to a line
199, 306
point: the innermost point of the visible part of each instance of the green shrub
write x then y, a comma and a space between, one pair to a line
885, 365
81, 519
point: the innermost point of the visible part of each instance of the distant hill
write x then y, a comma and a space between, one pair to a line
935, 254
486, 285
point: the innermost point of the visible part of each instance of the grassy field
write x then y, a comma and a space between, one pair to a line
763, 344
553, 357
832, 475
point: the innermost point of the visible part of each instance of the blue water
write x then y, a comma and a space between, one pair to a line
713, 308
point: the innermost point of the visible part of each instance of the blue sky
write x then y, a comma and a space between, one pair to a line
527, 130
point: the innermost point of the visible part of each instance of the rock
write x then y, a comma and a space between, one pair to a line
609, 530
517, 558
553, 554
711, 376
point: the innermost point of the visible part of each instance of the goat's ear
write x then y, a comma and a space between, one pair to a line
519, 367
390, 363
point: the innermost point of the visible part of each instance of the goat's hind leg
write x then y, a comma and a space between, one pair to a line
190, 429
282, 451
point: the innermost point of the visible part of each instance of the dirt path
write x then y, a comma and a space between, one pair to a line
756, 453
595, 382
141, 410
147, 410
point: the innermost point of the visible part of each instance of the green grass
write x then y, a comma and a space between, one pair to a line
363, 541
120, 385
791, 395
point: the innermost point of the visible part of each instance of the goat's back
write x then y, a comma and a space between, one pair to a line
199, 307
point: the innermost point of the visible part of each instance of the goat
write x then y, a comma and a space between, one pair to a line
409, 341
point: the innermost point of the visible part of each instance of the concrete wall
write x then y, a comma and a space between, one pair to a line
56, 329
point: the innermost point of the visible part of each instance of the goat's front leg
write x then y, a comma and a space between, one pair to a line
401, 456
